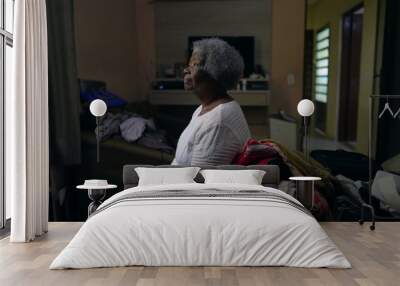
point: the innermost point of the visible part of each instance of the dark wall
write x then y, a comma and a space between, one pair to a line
388, 141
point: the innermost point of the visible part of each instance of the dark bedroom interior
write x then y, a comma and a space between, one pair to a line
199, 142
141, 82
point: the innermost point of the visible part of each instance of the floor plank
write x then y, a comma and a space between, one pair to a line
375, 257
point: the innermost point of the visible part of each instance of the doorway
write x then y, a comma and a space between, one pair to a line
352, 26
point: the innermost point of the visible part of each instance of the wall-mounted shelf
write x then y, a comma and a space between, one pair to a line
182, 97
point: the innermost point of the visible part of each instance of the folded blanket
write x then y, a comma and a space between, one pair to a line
206, 194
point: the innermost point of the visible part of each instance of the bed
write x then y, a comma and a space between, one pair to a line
198, 224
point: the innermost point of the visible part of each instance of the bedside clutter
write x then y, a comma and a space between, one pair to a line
177, 84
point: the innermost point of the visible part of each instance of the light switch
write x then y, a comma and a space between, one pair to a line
290, 79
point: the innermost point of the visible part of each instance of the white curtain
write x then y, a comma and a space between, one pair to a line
27, 148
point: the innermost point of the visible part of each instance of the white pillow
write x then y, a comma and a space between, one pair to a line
165, 176
248, 177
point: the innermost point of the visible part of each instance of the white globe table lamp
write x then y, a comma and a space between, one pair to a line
98, 108
306, 109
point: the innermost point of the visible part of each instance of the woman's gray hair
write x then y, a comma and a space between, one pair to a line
220, 60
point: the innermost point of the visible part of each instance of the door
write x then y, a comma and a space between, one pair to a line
352, 24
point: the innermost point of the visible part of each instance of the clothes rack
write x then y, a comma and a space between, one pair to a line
370, 151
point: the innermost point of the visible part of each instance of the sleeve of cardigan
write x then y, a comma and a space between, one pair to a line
216, 145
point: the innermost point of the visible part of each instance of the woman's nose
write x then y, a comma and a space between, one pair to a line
186, 71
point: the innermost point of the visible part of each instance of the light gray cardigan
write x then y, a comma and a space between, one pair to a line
213, 138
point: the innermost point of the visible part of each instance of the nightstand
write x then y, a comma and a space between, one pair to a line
305, 190
96, 192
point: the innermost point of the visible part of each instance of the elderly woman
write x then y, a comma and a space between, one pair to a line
218, 129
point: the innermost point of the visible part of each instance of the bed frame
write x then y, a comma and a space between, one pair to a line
271, 177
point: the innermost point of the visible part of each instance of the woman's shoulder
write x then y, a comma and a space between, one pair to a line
231, 111
231, 106
226, 114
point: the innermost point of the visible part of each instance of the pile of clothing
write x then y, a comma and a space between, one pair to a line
385, 196
386, 189
291, 163
350, 195
133, 129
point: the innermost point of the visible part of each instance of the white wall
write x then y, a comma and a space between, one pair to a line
287, 59
176, 21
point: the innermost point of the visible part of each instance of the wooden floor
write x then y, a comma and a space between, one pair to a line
375, 257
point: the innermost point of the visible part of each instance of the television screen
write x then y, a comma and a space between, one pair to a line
244, 45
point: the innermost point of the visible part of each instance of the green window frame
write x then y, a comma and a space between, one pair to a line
321, 80
6, 45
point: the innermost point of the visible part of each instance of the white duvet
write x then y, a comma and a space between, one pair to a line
200, 231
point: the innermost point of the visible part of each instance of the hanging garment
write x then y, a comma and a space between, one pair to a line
397, 113
386, 108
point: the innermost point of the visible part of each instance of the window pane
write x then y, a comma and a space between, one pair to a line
322, 54
322, 71
8, 89
321, 89
321, 80
9, 15
2, 109
323, 34
321, 97
323, 44
322, 63
1, 15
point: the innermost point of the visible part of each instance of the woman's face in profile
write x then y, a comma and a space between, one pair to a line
191, 72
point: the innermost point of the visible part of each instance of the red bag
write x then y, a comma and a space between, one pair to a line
256, 153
